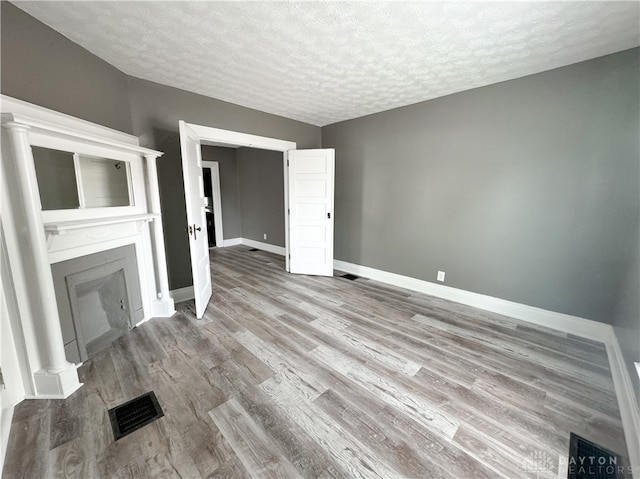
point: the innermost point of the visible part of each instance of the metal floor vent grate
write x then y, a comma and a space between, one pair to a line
350, 276
134, 414
589, 461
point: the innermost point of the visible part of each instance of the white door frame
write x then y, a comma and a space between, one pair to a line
216, 198
234, 139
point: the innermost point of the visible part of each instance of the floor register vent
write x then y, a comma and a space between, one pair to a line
134, 414
590, 461
350, 276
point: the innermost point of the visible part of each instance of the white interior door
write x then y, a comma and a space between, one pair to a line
311, 186
196, 220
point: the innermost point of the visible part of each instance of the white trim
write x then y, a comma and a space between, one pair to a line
271, 248
236, 139
217, 137
21, 107
627, 402
550, 319
182, 294
60, 227
575, 325
287, 229
231, 242
62, 133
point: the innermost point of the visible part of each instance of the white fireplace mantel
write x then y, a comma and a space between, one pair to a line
36, 238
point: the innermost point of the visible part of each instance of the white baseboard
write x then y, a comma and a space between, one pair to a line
627, 402
271, 248
566, 323
264, 246
231, 242
182, 294
585, 328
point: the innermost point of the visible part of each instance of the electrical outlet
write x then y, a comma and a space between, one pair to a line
265, 236
440, 276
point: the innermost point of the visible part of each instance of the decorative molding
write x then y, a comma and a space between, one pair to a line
575, 325
182, 294
57, 235
271, 248
61, 227
162, 308
10, 104
58, 384
627, 401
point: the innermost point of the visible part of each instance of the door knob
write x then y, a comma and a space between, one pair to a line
194, 229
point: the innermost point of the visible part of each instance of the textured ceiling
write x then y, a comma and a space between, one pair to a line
323, 62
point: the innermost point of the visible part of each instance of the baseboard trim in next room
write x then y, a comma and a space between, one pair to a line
182, 294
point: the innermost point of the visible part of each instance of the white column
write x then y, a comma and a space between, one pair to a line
160, 257
59, 377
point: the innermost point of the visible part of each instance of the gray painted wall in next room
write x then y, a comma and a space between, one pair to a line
229, 194
525, 190
262, 195
45, 68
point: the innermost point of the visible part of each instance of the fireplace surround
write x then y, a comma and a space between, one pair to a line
116, 204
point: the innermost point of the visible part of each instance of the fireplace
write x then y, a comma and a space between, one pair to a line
74, 189
98, 298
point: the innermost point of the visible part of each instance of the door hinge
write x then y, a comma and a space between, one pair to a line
2, 380
287, 162
288, 211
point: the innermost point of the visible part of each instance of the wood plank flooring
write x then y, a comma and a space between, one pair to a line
294, 376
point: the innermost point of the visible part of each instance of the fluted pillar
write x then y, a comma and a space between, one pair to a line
57, 378
164, 305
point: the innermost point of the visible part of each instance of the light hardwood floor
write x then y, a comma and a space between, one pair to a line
295, 376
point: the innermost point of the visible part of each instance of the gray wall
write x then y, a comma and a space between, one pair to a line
43, 67
262, 195
525, 190
626, 320
174, 219
229, 188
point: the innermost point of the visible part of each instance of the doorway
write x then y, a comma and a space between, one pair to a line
213, 209
308, 216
